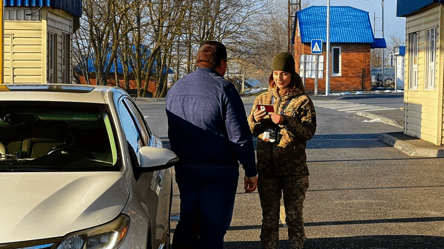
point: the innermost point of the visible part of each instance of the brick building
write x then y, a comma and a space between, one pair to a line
351, 39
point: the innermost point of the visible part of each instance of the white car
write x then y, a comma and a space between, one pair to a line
79, 168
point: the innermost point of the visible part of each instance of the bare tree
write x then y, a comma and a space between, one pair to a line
103, 20
81, 51
153, 35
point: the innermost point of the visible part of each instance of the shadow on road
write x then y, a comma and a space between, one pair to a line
336, 141
364, 242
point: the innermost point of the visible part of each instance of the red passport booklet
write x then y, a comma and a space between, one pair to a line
267, 108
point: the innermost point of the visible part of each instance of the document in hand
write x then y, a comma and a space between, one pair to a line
266, 108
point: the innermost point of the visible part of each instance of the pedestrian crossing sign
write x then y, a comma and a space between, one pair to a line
316, 46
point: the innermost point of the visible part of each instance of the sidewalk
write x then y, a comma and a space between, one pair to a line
410, 145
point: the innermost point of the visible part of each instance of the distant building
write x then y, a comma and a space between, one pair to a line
351, 39
37, 40
111, 80
424, 69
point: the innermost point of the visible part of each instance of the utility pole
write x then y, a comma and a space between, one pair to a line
383, 50
327, 80
293, 7
374, 24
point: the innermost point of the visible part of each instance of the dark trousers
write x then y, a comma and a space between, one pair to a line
206, 206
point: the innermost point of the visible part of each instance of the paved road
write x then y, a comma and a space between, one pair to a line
363, 193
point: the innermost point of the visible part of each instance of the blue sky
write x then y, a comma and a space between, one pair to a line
392, 25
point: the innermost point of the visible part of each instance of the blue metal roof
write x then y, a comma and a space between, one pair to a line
408, 7
92, 68
347, 24
73, 7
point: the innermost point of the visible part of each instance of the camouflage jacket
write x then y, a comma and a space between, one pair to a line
286, 156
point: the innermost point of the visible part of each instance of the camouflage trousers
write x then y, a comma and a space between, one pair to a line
270, 190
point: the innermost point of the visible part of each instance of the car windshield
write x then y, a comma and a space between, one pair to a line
36, 136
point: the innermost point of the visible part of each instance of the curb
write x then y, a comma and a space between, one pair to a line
380, 118
410, 149
380, 95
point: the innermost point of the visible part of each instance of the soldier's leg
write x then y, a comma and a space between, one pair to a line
294, 196
270, 195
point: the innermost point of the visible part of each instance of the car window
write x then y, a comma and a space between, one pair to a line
58, 136
139, 121
132, 134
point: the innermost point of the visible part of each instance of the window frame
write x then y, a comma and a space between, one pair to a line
333, 73
66, 57
430, 63
413, 49
51, 64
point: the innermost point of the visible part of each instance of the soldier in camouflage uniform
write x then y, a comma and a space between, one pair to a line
281, 159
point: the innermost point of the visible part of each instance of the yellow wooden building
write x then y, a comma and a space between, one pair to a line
37, 40
424, 68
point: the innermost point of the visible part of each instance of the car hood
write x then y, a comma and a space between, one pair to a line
46, 205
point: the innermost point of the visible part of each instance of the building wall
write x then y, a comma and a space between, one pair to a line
112, 82
424, 107
355, 67
23, 52
26, 43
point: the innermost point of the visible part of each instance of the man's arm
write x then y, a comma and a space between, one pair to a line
238, 130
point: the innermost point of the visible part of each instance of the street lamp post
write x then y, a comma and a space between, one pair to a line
327, 81
383, 50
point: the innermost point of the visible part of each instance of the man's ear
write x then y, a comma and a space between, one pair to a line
222, 68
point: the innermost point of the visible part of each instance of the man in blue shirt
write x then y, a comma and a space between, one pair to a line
208, 130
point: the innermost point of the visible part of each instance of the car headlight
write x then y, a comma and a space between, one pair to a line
108, 236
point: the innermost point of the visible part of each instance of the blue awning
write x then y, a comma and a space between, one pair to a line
408, 7
379, 43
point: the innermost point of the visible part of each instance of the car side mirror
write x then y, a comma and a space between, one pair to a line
154, 158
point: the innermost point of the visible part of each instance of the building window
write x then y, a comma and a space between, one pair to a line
52, 58
336, 61
307, 66
430, 59
413, 61
66, 48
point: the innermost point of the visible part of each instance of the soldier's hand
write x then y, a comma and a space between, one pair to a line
276, 118
250, 184
259, 115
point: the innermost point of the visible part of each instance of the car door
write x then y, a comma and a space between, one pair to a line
156, 185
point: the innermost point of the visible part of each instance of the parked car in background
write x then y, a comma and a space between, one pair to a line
377, 76
80, 168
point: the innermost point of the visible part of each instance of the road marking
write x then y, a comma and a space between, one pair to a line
349, 107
